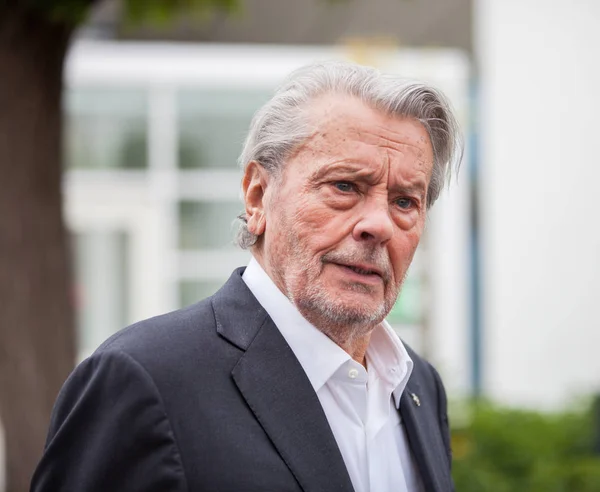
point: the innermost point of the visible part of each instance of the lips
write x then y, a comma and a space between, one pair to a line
362, 269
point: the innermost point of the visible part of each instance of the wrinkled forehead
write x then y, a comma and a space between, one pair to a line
336, 120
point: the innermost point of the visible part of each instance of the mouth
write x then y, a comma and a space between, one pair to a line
366, 271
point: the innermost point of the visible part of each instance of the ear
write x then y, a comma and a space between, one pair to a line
254, 187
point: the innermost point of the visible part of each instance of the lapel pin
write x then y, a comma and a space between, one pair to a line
416, 399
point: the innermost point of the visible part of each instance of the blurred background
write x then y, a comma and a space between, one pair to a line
155, 99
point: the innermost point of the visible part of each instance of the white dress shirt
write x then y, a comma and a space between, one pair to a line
361, 406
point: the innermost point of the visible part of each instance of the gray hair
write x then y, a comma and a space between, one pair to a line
280, 126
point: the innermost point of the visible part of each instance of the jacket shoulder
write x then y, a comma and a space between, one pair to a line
168, 336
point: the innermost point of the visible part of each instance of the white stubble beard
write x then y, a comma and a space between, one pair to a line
340, 322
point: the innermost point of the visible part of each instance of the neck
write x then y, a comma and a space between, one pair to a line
356, 348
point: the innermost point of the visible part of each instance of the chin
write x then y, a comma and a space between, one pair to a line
353, 311
345, 304
359, 299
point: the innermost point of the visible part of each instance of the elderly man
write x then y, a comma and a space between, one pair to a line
289, 377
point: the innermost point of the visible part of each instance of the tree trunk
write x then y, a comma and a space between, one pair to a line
37, 339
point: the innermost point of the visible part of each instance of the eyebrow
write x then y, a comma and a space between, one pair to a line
353, 169
418, 188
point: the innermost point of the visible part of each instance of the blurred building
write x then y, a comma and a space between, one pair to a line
153, 186
154, 131
510, 299
407, 23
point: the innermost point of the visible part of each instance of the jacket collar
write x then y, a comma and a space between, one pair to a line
278, 392
418, 412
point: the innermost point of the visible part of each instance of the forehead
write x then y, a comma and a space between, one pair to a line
342, 123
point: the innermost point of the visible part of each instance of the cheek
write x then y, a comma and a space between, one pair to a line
319, 225
401, 251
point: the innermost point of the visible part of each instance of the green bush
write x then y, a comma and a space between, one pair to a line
506, 450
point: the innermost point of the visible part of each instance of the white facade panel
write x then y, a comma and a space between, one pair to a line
539, 63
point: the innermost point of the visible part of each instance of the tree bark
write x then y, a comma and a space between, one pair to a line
37, 338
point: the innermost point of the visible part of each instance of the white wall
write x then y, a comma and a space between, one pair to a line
539, 65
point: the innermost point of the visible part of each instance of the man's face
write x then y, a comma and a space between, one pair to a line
343, 220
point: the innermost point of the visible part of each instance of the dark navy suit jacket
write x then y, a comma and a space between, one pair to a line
211, 398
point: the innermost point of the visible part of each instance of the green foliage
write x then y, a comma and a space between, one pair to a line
157, 12
160, 12
507, 450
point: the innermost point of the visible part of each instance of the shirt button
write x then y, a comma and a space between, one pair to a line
352, 373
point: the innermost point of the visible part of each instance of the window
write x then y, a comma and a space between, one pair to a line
106, 129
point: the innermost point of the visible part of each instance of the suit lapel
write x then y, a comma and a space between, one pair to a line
278, 392
425, 442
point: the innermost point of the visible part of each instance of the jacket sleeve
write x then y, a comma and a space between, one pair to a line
109, 431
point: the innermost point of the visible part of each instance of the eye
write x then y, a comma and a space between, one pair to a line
344, 186
405, 203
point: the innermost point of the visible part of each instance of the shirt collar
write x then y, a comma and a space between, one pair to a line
387, 356
318, 355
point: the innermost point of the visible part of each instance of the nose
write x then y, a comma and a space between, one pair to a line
375, 224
